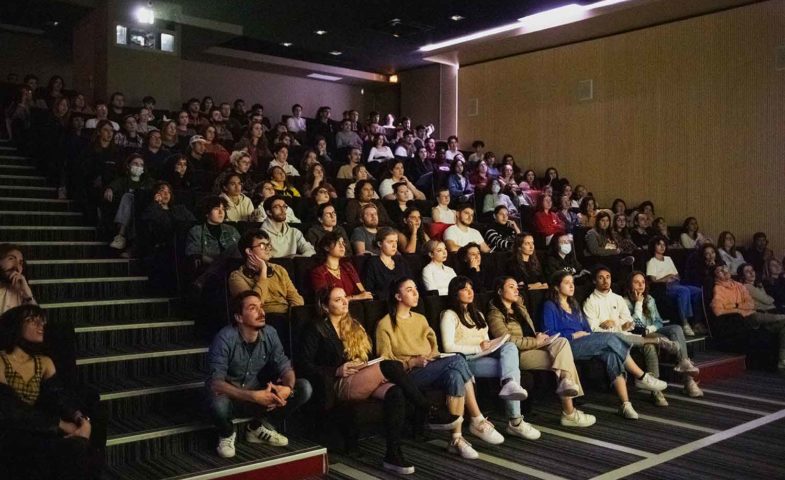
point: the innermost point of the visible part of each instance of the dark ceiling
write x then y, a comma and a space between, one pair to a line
366, 32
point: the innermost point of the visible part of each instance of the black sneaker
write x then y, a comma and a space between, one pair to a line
395, 462
439, 419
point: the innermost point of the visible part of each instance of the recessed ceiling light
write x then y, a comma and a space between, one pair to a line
456, 18
286, 44
320, 76
320, 32
335, 53
397, 35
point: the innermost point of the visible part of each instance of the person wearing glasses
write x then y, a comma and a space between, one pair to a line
14, 289
270, 281
285, 241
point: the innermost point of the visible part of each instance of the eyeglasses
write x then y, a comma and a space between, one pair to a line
264, 246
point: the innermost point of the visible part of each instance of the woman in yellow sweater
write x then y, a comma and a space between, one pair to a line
405, 336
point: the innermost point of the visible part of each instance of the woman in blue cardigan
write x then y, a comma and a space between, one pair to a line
561, 314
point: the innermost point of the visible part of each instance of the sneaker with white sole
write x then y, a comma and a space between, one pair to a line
118, 243
692, 389
688, 330
225, 446
577, 419
513, 391
523, 430
649, 382
265, 434
394, 462
659, 399
669, 346
686, 366
627, 411
485, 431
567, 388
463, 448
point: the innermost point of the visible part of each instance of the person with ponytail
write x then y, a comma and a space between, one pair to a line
465, 331
405, 335
336, 350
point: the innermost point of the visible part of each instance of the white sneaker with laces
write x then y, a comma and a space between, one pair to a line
225, 446
265, 434
567, 388
692, 389
648, 382
485, 431
659, 399
577, 419
513, 391
686, 366
118, 243
523, 430
688, 331
463, 448
627, 411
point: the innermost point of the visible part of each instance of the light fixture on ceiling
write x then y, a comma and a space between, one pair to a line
335, 53
457, 18
393, 78
286, 44
146, 14
319, 76
320, 32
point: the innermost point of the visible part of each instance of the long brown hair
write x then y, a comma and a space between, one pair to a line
533, 265
356, 344
629, 293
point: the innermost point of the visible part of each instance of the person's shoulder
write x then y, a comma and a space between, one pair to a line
385, 323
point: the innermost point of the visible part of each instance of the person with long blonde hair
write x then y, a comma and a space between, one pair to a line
335, 352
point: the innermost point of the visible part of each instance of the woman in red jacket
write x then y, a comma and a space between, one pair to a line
547, 222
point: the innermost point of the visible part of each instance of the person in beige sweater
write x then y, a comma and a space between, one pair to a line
270, 281
508, 315
404, 335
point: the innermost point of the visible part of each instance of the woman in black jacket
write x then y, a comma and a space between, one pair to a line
335, 354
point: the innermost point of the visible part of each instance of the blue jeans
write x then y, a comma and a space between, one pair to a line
448, 374
689, 300
503, 363
606, 346
223, 409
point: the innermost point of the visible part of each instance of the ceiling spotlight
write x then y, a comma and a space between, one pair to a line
145, 15
286, 44
456, 18
393, 78
320, 32
336, 53
397, 35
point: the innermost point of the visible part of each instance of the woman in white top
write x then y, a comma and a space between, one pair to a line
436, 275
359, 172
240, 206
495, 198
464, 331
442, 213
690, 236
726, 246
688, 298
379, 152
395, 175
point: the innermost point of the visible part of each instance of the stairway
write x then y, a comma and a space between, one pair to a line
134, 346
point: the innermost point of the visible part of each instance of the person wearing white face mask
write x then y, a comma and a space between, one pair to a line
120, 196
561, 257
496, 198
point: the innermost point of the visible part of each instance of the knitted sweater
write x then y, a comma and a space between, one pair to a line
412, 337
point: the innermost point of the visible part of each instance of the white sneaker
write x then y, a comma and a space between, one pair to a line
118, 243
627, 411
513, 391
692, 389
648, 382
463, 448
686, 366
486, 432
659, 399
523, 430
567, 388
688, 330
265, 434
577, 419
225, 446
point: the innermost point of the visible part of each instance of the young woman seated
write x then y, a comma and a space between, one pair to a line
561, 257
501, 233
240, 206
395, 174
690, 236
404, 335
436, 275
335, 350
619, 207
239, 164
588, 211
524, 265
561, 314
649, 323
774, 282
470, 265
496, 198
728, 251
461, 189
163, 219
335, 270
413, 237
763, 301
365, 195
507, 315
209, 240
567, 214
280, 183
465, 331
321, 195
660, 227
315, 177
599, 240
379, 152
120, 194
547, 222
359, 173
688, 298
383, 269
621, 234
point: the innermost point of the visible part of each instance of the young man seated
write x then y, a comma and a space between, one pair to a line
364, 236
285, 241
462, 233
270, 281
14, 289
251, 376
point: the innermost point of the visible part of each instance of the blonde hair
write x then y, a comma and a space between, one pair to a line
236, 155
355, 340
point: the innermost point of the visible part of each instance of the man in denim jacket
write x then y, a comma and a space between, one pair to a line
251, 376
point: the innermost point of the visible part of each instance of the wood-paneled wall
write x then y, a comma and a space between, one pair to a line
689, 115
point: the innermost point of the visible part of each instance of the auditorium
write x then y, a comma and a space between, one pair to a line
368, 240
